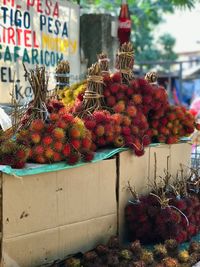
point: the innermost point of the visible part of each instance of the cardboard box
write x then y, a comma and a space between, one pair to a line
51, 215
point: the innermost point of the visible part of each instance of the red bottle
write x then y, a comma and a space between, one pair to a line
124, 28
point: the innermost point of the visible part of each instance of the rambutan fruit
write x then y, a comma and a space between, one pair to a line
136, 248
116, 77
126, 130
119, 141
147, 257
40, 159
21, 154
106, 92
18, 165
101, 141
146, 140
129, 91
146, 99
142, 82
161, 138
126, 121
119, 107
115, 87
138, 152
183, 256
47, 140
131, 110
117, 129
66, 150
159, 252
62, 124
58, 146
88, 156
49, 128
117, 118
163, 130
72, 262
164, 121
120, 96
100, 130
172, 247
102, 250
57, 157
67, 117
171, 116
74, 132
134, 130
86, 143
137, 99
35, 138
38, 150
197, 126
101, 116
90, 123
111, 101
113, 242
54, 117
171, 140
170, 262
58, 133
126, 254
75, 143
37, 125
49, 153
180, 204
189, 130
194, 247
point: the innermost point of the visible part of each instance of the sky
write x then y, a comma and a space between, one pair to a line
184, 25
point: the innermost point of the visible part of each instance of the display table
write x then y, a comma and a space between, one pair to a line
48, 212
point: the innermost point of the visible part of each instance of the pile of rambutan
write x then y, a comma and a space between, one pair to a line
175, 123
62, 137
113, 254
13, 153
170, 210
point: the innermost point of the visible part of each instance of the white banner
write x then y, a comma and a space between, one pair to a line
35, 32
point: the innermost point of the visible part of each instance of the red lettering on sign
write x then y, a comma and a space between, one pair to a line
27, 39
39, 4
56, 11
5, 2
11, 35
35, 44
30, 3
48, 5
19, 31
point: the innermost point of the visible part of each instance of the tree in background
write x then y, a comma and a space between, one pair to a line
146, 16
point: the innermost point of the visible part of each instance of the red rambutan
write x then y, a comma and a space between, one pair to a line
66, 150
58, 133
58, 146
116, 77
47, 140
111, 101
137, 99
99, 130
35, 138
131, 110
57, 157
49, 153
119, 107
74, 132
